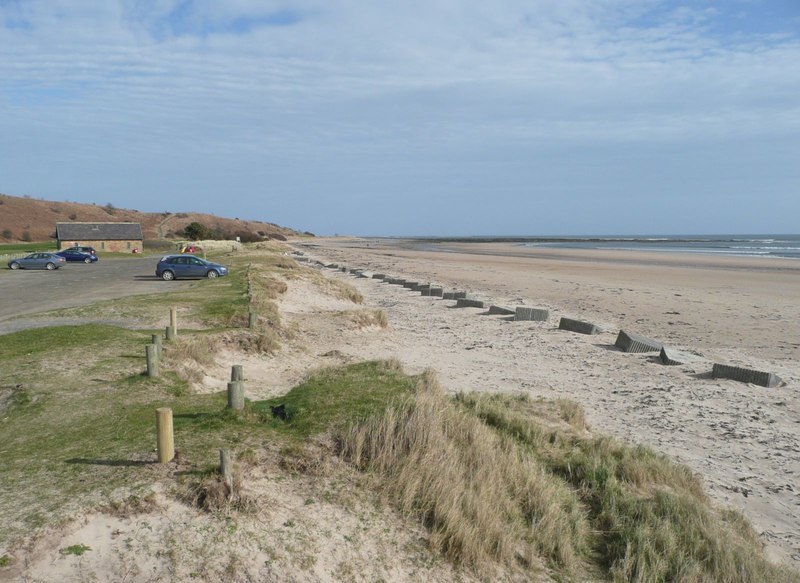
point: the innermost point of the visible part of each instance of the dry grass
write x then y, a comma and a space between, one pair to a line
332, 287
188, 355
217, 495
510, 483
131, 506
484, 501
264, 341
651, 517
366, 318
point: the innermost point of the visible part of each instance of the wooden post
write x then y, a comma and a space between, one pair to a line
236, 395
166, 439
226, 468
237, 373
151, 352
170, 334
252, 318
173, 320
156, 339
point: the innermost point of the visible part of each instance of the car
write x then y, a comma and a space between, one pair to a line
181, 266
83, 249
74, 255
190, 248
47, 261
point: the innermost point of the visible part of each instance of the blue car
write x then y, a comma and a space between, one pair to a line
75, 255
49, 261
182, 266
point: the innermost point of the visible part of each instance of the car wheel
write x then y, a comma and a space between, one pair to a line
87, 260
167, 275
212, 274
14, 265
50, 266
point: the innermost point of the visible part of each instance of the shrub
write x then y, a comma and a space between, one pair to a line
197, 231
7, 233
26, 236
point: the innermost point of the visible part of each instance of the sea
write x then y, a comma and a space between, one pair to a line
740, 245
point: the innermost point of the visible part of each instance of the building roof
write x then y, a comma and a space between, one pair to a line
99, 231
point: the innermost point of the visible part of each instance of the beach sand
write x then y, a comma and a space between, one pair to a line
743, 439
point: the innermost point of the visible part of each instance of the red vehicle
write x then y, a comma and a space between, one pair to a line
190, 248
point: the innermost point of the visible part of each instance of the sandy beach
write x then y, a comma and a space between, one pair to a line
742, 438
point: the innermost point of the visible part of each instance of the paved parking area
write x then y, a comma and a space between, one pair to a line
76, 284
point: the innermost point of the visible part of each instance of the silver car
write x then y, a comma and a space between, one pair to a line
47, 261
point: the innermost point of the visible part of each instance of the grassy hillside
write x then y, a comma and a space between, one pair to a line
29, 219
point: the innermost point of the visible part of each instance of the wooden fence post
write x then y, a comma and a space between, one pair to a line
236, 395
151, 352
156, 339
173, 320
237, 372
252, 319
170, 334
166, 438
226, 468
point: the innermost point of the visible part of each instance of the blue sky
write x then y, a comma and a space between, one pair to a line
539, 117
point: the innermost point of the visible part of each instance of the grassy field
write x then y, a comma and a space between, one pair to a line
504, 485
9, 248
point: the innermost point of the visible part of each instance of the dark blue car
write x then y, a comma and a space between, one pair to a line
75, 255
182, 266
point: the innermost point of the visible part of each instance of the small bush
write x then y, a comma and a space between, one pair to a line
26, 236
7, 233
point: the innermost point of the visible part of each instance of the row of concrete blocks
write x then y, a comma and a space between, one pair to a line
634, 343
626, 341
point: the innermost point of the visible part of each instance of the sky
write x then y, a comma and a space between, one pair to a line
435, 117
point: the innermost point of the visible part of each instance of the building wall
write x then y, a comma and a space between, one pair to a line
107, 246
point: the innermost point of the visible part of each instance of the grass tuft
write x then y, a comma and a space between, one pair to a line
484, 501
651, 518
366, 318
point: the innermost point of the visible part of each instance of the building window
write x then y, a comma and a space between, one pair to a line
129, 244
102, 245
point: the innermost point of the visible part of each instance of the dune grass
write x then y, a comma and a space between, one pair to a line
485, 502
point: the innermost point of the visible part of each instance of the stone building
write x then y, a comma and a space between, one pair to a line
111, 237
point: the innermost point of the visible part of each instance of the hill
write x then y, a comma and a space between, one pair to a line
29, 219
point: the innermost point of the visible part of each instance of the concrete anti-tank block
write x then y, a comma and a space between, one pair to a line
522, 313
411, 284
745, 375
454, 295
469, 303
378, 276
671, 357
436, 292
501, 310
635, 344
578, 326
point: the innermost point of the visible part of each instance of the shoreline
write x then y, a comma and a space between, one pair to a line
695, 259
